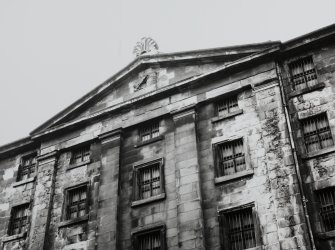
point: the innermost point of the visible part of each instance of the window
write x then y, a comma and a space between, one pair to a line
27, 167
303, 73
76, 202
150, 240
226, 106
19, 219
80, 155
327, 208
148, 180
229, 158
149, 131
238, 229
317, 133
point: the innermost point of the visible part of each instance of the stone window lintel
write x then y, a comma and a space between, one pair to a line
318, 153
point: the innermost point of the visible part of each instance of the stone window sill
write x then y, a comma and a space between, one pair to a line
229, 115
148, 200
242, 174
326, 235
318, 153
19, 183
73, 221
158, 138
79, 164
295, 93
14, 237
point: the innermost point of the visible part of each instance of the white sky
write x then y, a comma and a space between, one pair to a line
53, 52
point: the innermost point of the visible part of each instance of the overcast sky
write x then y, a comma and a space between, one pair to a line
53, 52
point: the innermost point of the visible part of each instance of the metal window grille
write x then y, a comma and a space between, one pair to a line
76, 203
149, 241
226, 106
230, 158
150, 131
19, 219
317, 133
149, 181
81, 155
27, 168
303, 73
240, 229
327, 207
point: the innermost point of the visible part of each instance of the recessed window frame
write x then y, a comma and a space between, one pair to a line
323, 196
317, 133
67, 205
23, 208
137, 200
216, 154
161, 230
304, 74
228, 103
149, 131
223, 216
30, 168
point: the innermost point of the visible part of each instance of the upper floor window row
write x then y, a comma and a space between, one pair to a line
303, 73
317, 133
27, 167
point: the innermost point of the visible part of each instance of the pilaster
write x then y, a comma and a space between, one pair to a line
42, 203
108, 189
189, 200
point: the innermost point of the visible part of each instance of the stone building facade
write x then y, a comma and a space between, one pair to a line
226, 148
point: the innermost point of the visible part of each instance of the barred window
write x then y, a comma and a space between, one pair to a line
27, 167
80, 155
238, 229
227, 105
327, 208
148, 180
317, 133
149, 131
19, 219
303, 73
229, 158
150, 240
76, 202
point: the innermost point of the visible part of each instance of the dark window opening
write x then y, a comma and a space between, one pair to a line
227, 106
327, 208
19, 219
238, 228
76, 206
230, 158
80, 155
303, 73
149, 131
317, 133
150, 240
27, 168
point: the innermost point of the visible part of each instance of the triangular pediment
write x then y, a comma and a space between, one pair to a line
149, 73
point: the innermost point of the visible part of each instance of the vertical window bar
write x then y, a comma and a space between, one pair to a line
77, 203
226, 106
327, 209
150, 131
149, 181
19, 219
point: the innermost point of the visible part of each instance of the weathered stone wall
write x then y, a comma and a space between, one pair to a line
318, 168
12, 195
